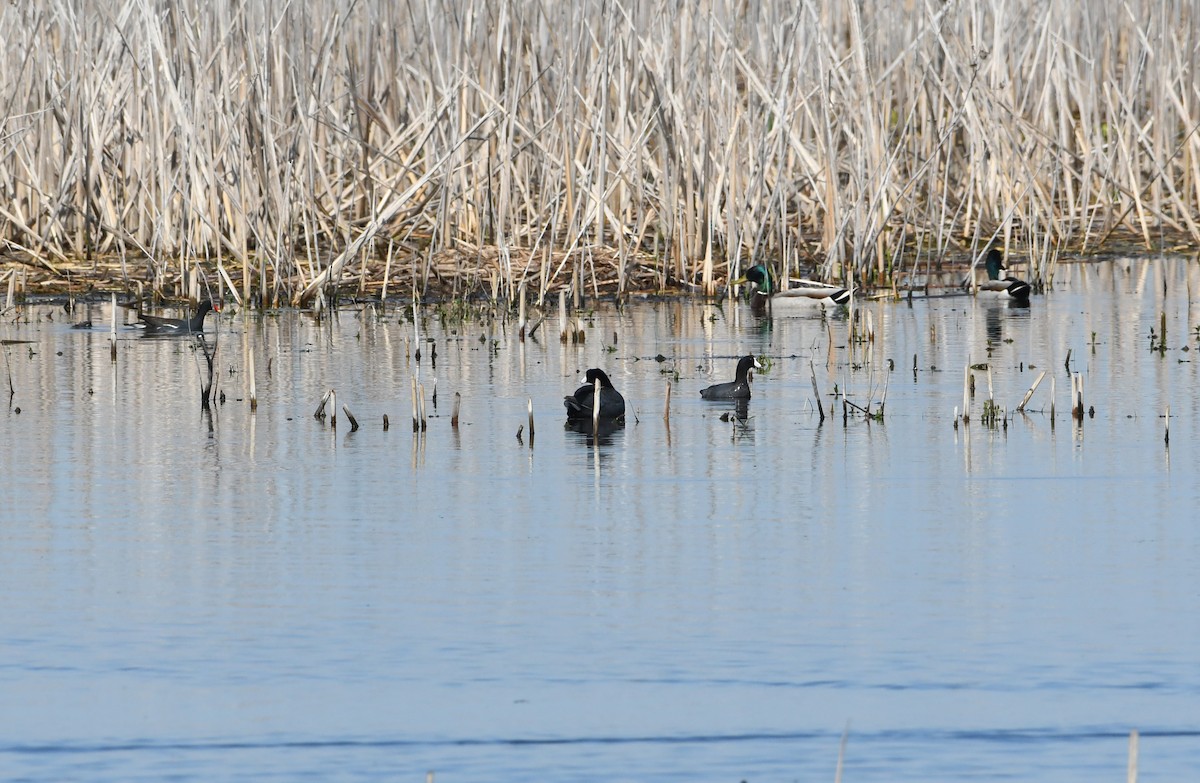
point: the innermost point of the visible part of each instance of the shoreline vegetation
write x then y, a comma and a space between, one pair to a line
270, 153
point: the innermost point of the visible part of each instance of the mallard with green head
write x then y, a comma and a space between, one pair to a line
808, 294
1005, 288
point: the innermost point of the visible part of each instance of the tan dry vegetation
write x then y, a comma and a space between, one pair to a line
469, 146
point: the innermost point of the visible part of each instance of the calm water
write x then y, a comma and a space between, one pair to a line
260, 596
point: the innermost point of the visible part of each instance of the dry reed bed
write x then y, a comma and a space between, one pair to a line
294, 146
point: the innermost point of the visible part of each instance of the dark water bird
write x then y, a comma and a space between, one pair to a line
579, 404
154, 324
739, 387
808, 294
1008, 288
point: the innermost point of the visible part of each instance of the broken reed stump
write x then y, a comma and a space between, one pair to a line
112, 340
530, 409
667, 405
817, 392
883, 401
416, 424
421, 400
454, 415
350, 417
562, 316
966, 406
319, 413
253, 388
1029, 394
596, 407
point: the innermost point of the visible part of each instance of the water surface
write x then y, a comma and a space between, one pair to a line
258, 595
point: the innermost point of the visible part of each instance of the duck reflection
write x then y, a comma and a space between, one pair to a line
606, 433
997, 314
992, 323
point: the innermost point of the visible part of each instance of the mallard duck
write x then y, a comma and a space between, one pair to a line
1009, 288
154, 324
579, 404
809, 293
739, 387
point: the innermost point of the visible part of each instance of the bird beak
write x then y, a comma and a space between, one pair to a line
739, 281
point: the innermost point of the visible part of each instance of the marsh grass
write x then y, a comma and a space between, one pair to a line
289, 149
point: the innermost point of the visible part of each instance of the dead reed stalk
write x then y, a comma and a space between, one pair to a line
816, 391
1029, 394
250, 374
112, 331
421, 404
445, 145
596, 407
416, 422
319, 413
966, 406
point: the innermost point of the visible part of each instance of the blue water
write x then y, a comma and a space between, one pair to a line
259, 596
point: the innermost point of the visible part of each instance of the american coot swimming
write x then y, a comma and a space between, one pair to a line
1010, 288
579, 404
808, 294
159, 325
739, 387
